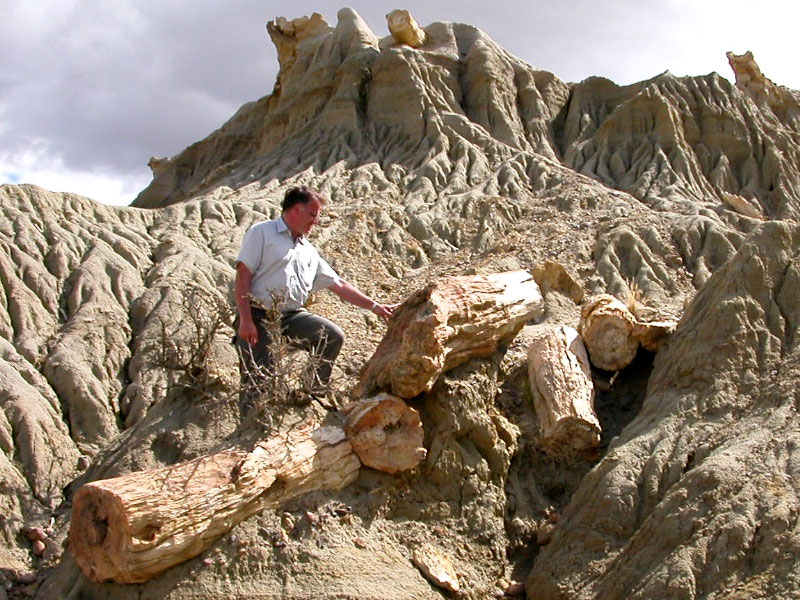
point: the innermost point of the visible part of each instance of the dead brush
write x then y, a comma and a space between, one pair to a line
274, 390
188, 345
634, 298
194, 348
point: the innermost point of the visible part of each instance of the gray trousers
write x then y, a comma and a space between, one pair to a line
304, 330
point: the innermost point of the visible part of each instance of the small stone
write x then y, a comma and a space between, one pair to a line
554, 517
27, 578
208, 561
360, 543
35, 533
38, 547
515, 589
436, 567
545, 534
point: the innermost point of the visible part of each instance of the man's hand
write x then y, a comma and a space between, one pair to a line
385, 310
248, 332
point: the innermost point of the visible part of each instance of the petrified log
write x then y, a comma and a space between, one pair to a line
612, 333
607, 328
444, 325
130, 528
563, 393
386, 433
653, 334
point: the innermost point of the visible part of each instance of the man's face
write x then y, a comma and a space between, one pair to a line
305, 216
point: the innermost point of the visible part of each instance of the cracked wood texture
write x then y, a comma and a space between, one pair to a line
130, 528
444, 325
386, 433
563, 392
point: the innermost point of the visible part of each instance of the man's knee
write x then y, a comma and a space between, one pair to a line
335, 336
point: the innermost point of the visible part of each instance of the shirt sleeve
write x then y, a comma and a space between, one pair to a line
325, 277
252, 249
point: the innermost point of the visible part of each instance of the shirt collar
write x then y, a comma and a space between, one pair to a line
282, 227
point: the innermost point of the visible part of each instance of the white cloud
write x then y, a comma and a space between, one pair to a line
37, 166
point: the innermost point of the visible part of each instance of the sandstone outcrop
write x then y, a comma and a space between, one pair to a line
404, 28
450, 159
706, 469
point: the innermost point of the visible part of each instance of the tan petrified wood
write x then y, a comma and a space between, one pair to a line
386, 433
444, 325
612, 334
132, 527
436, 567
607, 328
404, 28
563, 392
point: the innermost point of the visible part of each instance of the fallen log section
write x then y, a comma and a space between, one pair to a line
563, 392
129, 528
444, 325
612, 333
386, 433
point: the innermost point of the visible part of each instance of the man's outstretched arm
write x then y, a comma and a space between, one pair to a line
353, 295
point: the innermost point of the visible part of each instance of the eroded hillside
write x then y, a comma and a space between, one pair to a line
451, 158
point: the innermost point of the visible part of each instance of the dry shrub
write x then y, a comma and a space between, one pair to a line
190, 345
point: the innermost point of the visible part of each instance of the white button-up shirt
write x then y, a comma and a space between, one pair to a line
279, 263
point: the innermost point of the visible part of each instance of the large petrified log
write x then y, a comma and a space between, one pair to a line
385, 433
129, 528
563, 393
444, 325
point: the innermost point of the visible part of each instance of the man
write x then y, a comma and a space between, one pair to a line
276, 257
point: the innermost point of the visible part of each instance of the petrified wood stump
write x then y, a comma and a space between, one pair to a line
612, 333
608, 330
445, 324
132, 527
386, 433
563, 393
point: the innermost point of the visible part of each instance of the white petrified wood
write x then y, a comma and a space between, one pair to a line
608, 330
130, 528
563, 392
436, 567
444, 325
385, 433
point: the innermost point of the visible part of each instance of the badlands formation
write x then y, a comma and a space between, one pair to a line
442, 156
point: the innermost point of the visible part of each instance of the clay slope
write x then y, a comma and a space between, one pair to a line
450, 159
699, 495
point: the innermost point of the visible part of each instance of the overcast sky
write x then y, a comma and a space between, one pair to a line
90, 89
